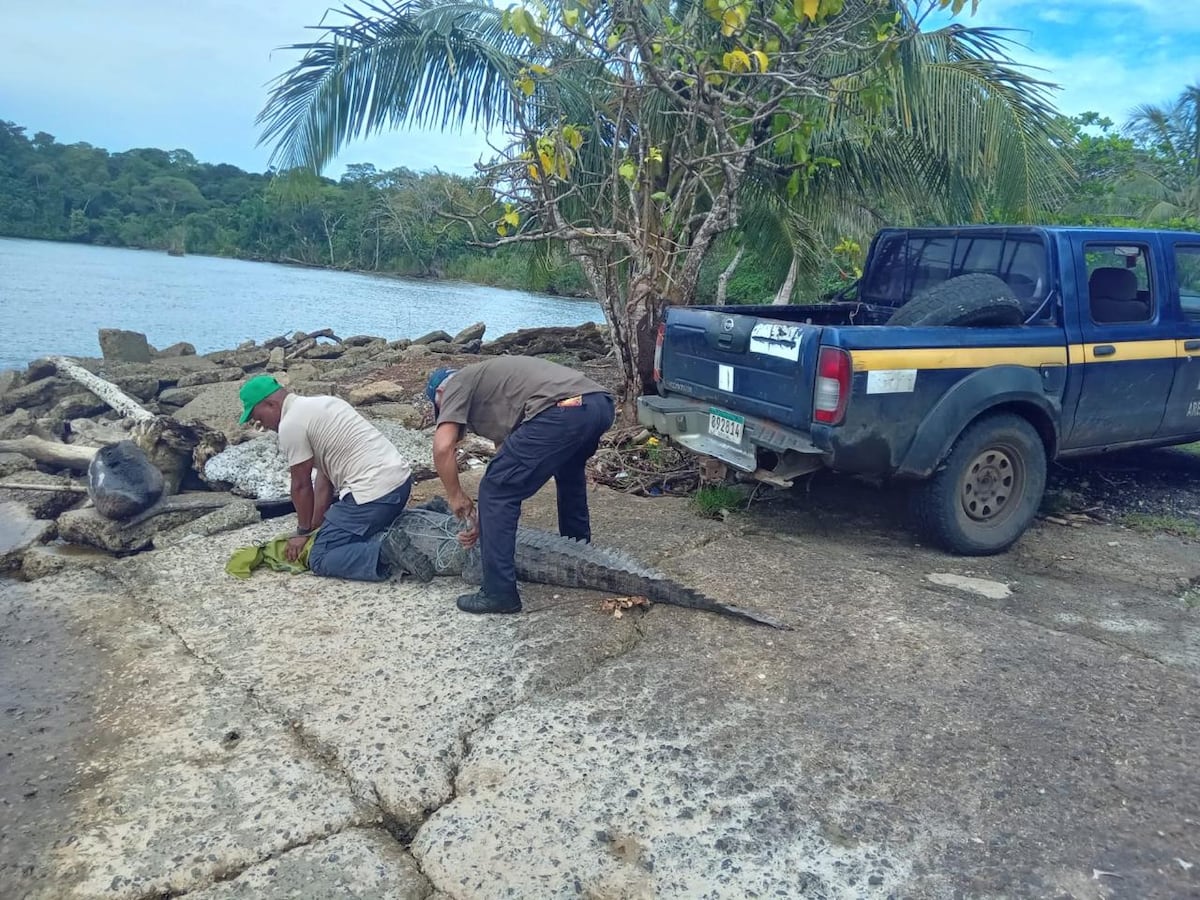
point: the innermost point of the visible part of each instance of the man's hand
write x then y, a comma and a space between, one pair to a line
295, 546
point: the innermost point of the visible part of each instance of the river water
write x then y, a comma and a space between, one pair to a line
55, 297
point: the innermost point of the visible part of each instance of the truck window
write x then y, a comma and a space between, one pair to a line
1119, 283
906, 264
1187, 275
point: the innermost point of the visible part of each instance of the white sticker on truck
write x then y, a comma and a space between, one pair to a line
725, 377
775, 339
892, 381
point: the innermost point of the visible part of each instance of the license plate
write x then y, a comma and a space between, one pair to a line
725, 426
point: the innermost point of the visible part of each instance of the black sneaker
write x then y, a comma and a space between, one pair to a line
481, 602
405, 559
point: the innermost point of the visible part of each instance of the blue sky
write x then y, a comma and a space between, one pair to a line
193, 73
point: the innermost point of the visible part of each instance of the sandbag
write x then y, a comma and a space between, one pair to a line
122, 481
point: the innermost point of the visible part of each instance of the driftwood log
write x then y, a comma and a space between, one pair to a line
55, 453
65, 488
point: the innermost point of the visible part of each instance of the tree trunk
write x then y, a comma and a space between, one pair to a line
65, 456
105, 390
784, 297
723, 278
643, 313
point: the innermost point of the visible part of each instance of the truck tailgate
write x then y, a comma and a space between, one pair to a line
745, 363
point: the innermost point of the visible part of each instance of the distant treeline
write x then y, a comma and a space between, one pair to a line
167, 200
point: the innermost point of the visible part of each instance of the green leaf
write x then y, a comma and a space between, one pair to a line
659, 196
627, 170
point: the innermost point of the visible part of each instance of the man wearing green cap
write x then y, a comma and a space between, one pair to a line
362, 483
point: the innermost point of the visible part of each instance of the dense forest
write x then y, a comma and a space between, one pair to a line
167, 200
1144, 173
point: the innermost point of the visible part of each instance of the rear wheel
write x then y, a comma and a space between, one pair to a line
987, 490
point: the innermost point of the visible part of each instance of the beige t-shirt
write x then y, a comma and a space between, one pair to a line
345, 447
492, 397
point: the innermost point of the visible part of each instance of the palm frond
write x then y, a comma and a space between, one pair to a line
416, 63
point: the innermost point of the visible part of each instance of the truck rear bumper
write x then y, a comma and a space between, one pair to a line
687, 421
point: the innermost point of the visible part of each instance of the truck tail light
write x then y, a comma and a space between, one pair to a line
832, 391
658, 345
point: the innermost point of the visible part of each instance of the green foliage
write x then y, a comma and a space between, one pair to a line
156, 199
715, 501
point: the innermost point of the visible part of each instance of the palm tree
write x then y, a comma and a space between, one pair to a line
954, 130
1171, 137
962, 136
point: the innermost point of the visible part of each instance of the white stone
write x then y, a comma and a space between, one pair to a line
992, 590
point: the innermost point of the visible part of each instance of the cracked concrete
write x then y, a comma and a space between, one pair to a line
904, 740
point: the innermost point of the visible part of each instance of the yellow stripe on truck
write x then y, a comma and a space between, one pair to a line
982, 357
1126, 351
957, 358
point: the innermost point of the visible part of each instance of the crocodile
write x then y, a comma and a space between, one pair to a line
547, 558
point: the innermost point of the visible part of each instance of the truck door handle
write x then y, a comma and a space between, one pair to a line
1104, 350
1191, 346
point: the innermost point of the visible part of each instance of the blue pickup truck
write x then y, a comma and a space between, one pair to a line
962, 361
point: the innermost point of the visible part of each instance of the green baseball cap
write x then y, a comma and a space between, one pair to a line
254, 391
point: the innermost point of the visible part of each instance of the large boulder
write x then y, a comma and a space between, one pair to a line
77, 406
362, 340
173, 398
210, 376
323, 351
432, 337
87, 526
470, 333
124, 346
256, 468
250, 359
122, 481
19, 531
38, 395
376, 392
9, 379
16, 424
183, 348
215, 405
11, 463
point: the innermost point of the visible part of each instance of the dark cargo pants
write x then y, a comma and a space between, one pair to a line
347, 545
555, 443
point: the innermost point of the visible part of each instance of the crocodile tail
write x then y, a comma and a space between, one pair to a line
674, 594
550, 559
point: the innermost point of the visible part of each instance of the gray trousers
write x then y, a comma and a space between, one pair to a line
347, 546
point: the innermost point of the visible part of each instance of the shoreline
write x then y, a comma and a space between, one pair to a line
300, 264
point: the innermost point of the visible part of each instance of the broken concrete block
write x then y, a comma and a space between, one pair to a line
124, 346
377, 392
86, 526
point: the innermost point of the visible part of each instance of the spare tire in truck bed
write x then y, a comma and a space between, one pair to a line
977, 299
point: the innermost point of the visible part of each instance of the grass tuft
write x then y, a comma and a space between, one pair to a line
715, 501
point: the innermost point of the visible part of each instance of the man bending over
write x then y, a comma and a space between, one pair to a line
547, 421
351, 459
